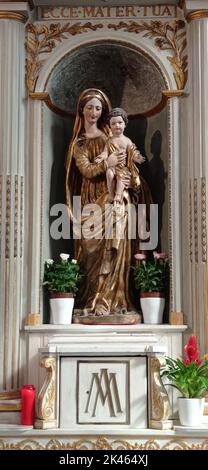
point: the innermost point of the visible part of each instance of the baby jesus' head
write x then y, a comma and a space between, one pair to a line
117, 120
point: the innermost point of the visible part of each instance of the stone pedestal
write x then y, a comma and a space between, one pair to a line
103, 377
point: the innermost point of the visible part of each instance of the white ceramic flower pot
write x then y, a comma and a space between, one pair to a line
61, 308
152, 305
191, 411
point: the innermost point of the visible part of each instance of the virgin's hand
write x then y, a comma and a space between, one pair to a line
116, 158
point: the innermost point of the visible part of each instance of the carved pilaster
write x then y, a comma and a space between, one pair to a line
159, 405
12, 165
197, 144
47, 403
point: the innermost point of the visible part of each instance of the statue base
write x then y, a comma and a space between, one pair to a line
112, 319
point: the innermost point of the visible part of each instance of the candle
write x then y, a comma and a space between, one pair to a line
28, 405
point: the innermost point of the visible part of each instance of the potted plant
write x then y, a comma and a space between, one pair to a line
61, 280
151, 279
189, 375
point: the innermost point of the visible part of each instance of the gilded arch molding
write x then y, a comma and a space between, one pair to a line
168, 36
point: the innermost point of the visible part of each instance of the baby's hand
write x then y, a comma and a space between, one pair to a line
138, 157
99, 159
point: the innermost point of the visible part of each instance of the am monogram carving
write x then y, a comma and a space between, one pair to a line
103, 392
106, 391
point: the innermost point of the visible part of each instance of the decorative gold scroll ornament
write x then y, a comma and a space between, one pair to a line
167, 37
102, 443
43, 39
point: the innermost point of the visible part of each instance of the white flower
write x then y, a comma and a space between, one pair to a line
74, 261
64, 256
49, 261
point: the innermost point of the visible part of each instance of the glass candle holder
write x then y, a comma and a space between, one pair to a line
28, 405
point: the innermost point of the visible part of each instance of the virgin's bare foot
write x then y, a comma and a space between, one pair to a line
100, 311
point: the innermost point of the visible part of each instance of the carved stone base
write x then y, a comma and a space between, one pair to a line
156, 424
42, 424
116, 319
176, 318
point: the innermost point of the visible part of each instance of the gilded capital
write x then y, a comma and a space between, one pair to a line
12, 15
196, 15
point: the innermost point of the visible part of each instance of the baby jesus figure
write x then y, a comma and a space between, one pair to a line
116, 176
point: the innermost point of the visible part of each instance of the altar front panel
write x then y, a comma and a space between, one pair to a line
103, 392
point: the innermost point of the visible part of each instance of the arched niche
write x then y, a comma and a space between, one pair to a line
154, 128
131, 80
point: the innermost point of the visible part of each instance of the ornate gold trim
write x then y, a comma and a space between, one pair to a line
43, 39
191, 251
190, 222
0, 213
159, 410
10, 395
33, 319
196, 220
203, 219
204, 258
21, 213
46, 411
6, 322
102, 443
196, 258
12, 15
176, 318
8, 216
167, 37
173, 93
44, 96
16, 198
196, 15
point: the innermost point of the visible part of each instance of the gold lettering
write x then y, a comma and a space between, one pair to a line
88, 11
65, 12
99, 12
130, 11
73, 12
156, 10
145, 10
108, 11
119, 11
54, 11
166, 11
46, 12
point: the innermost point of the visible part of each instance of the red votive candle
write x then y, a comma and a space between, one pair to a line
28, 405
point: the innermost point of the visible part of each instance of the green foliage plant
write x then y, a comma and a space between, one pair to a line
188, 375
151, 275
61, 276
